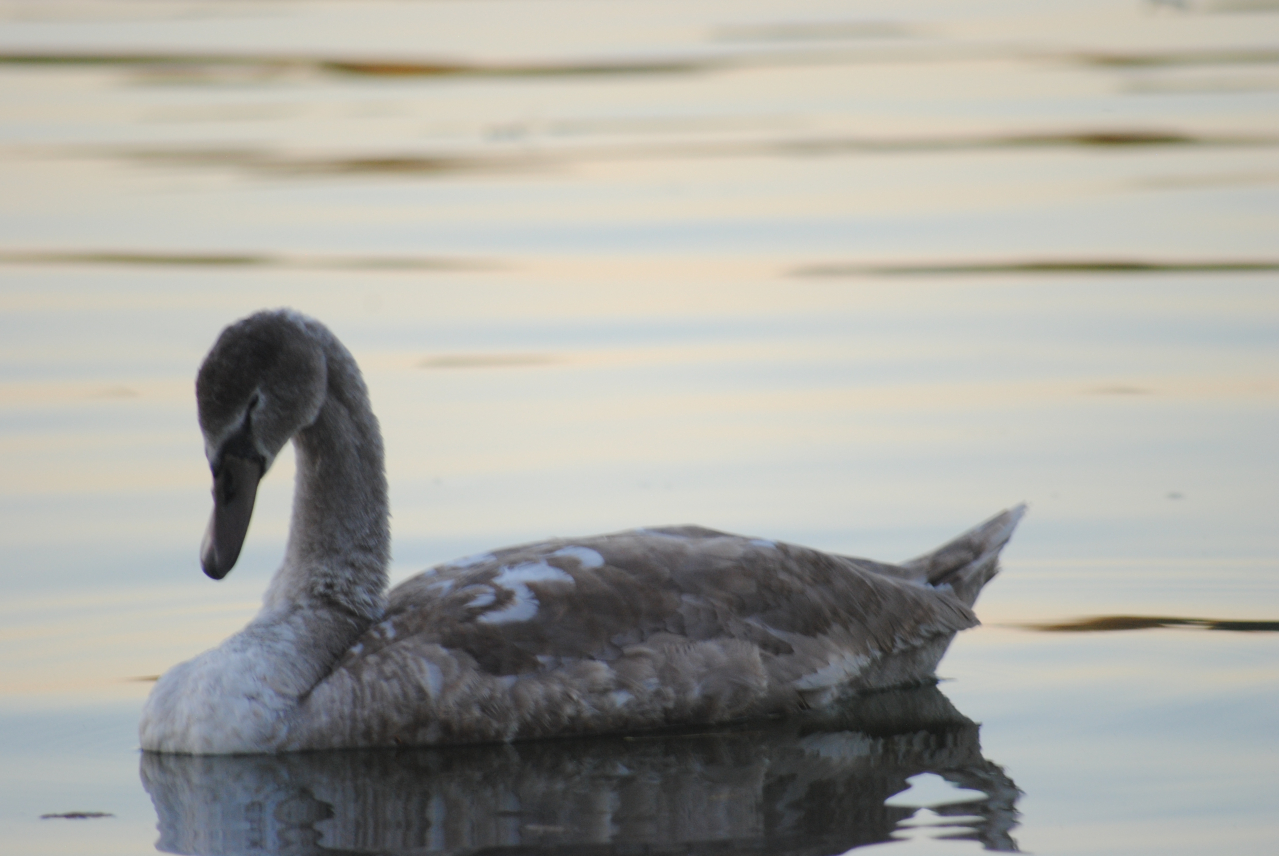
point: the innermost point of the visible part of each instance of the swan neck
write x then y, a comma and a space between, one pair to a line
339, 537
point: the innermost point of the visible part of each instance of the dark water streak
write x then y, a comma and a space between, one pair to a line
158, 258
550, 151
1106, 623
1047, 266
269, 65
163, 258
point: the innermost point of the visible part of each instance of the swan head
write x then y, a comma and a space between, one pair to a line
263, 381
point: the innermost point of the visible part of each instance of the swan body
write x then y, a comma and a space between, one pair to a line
643, 629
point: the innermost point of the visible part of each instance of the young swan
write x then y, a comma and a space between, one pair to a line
635, 630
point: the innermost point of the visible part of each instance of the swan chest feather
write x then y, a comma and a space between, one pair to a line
240, 696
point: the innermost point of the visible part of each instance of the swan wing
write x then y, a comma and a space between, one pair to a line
632, 630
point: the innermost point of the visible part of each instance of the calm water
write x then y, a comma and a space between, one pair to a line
849, 274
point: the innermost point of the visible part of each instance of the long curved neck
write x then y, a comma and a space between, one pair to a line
339, 537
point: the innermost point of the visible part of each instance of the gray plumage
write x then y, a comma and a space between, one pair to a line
636, 630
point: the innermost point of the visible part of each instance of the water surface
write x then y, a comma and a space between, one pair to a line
852, 275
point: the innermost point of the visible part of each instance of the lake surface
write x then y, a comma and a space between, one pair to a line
854, 275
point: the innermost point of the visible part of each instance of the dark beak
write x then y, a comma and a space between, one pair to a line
235, 487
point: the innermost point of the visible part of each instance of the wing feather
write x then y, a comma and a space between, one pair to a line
623, 631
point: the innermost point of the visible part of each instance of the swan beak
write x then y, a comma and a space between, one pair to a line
235, 487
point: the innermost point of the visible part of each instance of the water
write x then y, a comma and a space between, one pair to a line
853, 275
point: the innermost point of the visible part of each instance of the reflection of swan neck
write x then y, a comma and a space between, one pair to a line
339, 539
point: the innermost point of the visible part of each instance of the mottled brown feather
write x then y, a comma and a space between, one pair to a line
691, 624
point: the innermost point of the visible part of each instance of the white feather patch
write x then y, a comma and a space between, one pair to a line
585, 556
838, 671
516, 579
434, 679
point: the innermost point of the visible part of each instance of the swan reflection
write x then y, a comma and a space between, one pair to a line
806, 786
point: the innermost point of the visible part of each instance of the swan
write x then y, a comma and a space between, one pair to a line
636, 630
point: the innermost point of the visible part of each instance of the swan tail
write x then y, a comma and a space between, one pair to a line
970, 561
